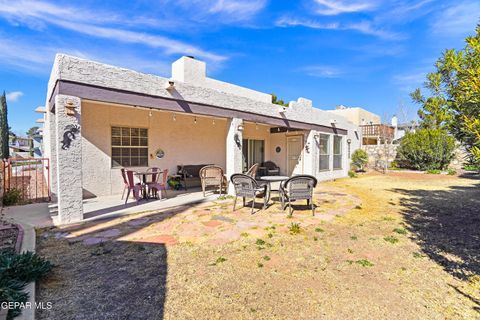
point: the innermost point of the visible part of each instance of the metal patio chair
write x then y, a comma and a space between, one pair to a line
298, 188
247, 187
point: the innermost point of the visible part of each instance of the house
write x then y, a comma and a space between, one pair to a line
20, 147
101, 118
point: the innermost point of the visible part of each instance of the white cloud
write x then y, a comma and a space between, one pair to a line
322, 71
39, 14
335, 7
237, 9
364, 27
459, 19
13, 96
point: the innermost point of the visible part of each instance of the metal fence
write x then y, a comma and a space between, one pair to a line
28, 176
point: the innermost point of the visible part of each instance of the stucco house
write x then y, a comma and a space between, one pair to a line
100, 118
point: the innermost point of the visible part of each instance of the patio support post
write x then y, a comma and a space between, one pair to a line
68, 145
52, 153
234, 149
310, 152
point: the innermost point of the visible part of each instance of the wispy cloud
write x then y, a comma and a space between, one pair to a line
322, 71
38, 14
237, 9
364, 27
13, 96
408, 82
458, 19
335, 7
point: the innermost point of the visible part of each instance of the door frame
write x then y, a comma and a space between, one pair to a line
301, 136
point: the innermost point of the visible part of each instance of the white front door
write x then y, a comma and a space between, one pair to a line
294, 155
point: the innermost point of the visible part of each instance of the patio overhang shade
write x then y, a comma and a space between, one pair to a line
111, 95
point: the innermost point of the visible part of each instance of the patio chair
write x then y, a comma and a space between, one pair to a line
212, 176
298, 188
271, 169
125, 183
132, 186
252, 172
247, 187
158, 185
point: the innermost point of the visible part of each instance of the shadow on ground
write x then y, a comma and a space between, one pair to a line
446, 224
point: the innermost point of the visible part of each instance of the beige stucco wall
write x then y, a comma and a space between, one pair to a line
356, 115
183, 141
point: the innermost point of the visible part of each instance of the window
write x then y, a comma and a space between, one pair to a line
253, 152
129, 147
324, 152
337, 152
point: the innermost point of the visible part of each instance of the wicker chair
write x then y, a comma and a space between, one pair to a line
212, 176
252, 172
247, 187
298, 188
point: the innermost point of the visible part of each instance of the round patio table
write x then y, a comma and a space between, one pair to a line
144, 175
269, 180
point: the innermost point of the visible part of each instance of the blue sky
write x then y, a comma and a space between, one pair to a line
368, 53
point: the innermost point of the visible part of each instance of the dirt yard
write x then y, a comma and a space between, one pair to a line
396, 246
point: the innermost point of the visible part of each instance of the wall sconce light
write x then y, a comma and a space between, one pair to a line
69, 108
333, 121
282, 109
349, 141
170, 85
240, 127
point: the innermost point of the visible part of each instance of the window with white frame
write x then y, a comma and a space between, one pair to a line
337, 152
324, 152
129, 147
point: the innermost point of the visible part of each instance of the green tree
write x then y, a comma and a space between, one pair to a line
32, 131
359, 159
275, 100
426, 149
454, 101
4, 149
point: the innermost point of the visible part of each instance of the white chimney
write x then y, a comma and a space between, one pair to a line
188, 69
394, 121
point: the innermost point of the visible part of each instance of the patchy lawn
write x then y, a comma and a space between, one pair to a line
401, 245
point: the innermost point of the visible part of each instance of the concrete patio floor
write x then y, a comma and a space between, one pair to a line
106, 207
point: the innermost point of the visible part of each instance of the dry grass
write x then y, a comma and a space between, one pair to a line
347, 267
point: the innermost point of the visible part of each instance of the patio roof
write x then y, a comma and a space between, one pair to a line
135, 99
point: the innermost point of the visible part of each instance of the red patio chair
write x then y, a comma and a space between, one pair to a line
154, 187
132, 186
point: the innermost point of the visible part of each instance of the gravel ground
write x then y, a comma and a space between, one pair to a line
404, 246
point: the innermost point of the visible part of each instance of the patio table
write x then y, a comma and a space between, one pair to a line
144, 175
269, 180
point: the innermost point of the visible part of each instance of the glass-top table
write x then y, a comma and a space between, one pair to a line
271, 179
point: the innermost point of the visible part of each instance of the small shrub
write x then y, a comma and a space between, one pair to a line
400, 231
433, 171
417, 255
266, 258
294, 228
319, 230
364, 263
260, 265
451, 172
218, 261
354, 237
359, 159
11, 197
352, 174
471, 167
260, 242
16, 270
244, 234
426, 149
391, 239
270, 235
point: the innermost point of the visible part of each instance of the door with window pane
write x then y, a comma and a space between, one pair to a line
253, 152
294, 155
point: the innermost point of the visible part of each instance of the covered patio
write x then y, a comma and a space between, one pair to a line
95, 130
